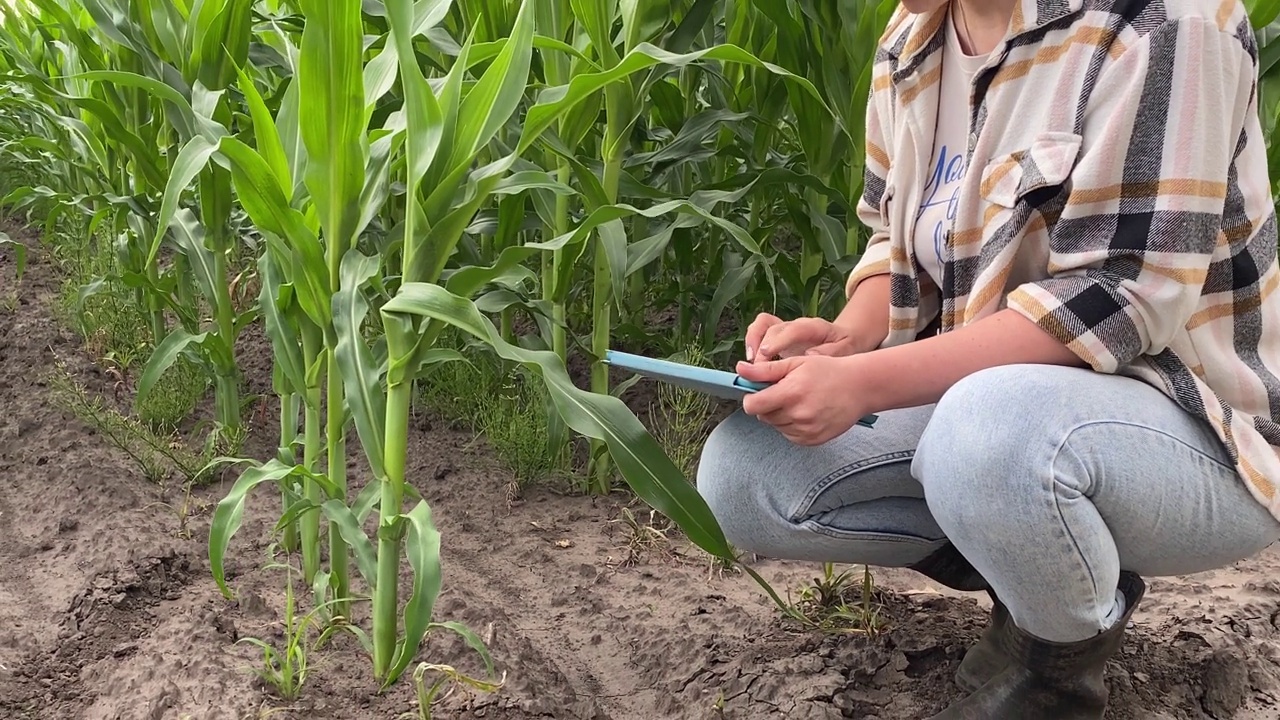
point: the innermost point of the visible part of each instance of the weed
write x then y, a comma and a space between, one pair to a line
286, 670
824, 605
447, 676
183, 511
681, 418
490, 397
644, 538
9, 300
174, 396
107, 314
155, 456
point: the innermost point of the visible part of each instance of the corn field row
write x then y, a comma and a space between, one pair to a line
367, 181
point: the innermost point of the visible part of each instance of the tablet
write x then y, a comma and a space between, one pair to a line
718, 383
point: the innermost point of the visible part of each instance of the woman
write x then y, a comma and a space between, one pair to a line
1067, 319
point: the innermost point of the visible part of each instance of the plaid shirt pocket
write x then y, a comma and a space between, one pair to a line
1047, 162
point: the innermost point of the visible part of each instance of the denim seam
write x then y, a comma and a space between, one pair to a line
1063, 447
1067, 438
1055, 485
801, 511
872, 535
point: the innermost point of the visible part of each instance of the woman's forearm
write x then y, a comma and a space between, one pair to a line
866, 315
921, 372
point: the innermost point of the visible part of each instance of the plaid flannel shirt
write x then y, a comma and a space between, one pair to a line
1117, 196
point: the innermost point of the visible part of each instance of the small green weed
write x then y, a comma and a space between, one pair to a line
156, 456
825, 605
105, 312
681, 418
287, 669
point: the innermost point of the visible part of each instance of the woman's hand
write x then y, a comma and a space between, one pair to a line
770, 337
813, 399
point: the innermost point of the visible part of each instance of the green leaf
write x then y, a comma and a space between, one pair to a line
379, 75
331, 78
230, 510
423, 549
644, 465
554, 102
192, 158
361, 378
184, 119
613, 242
166, 352
266, 135
472, 640
494, 99
1262, 12
188, 235
281, 330
263, 199
426, 124
19, 254
353, 535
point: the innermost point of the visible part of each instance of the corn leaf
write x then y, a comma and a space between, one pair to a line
166, 352
554, 102
281, 330
499, 92
348, 525
360, 376
230, 511
191, 160
646, 468
266, 137
331, 77
423, 549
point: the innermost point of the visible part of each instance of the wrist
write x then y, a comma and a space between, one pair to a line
861, 334
863, 383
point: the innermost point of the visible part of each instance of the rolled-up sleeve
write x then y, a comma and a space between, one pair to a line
1129, 255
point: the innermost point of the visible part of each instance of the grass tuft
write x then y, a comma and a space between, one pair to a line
838, 603
489, 397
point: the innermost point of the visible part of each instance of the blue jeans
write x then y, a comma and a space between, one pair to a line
1049, 480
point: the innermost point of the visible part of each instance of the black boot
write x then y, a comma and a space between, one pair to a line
1047, 680
986, 658
947, 566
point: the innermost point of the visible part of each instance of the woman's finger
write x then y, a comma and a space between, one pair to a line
756, 332
792, 338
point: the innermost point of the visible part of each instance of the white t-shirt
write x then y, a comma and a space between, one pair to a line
938, 204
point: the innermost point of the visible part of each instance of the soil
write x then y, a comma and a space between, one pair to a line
108, 609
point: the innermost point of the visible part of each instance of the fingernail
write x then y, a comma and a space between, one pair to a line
750, 353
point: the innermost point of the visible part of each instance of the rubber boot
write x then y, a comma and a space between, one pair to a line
1048, 680
985, 659
947, 566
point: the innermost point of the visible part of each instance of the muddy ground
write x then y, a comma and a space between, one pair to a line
108, 610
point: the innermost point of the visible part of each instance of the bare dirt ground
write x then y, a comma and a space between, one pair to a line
108, 610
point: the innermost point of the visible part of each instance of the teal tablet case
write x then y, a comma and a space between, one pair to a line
718, 383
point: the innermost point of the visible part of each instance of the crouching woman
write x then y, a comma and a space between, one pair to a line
1067, 320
